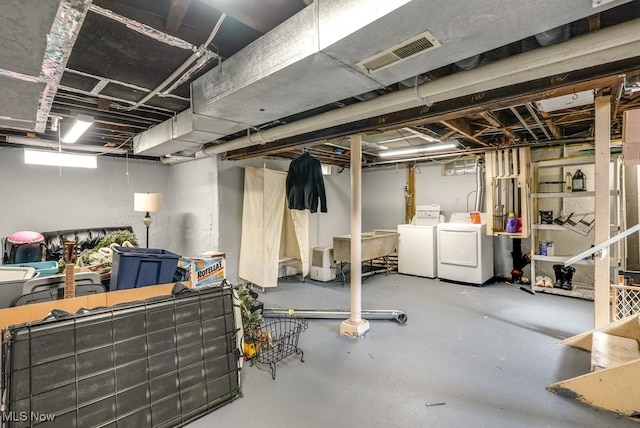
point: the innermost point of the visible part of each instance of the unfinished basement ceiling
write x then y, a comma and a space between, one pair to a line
179, 79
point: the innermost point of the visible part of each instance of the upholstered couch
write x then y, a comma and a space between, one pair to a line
85, 238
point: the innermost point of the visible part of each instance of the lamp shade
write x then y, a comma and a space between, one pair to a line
147, 202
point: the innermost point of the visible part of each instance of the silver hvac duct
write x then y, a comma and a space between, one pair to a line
607, 45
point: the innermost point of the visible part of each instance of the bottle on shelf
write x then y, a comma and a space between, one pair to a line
511, 223
579, 182
567, 182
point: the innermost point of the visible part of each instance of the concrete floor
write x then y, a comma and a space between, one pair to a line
487, 353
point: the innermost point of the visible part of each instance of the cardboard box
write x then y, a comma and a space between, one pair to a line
37, 311
205, 271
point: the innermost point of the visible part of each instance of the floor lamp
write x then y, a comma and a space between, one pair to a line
147, 202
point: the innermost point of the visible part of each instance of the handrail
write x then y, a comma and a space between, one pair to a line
602, 246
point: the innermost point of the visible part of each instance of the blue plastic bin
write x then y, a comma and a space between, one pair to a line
138, 267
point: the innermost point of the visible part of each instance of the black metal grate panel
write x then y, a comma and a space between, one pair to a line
156, 363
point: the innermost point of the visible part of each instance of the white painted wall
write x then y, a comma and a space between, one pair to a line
194, 222
383, 195
202, 200
44, 198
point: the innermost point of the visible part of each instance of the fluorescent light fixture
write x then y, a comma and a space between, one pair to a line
82, 123
51, 158
416, 149
566, 101
422, 135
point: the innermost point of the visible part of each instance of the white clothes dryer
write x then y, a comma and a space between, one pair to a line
465, 251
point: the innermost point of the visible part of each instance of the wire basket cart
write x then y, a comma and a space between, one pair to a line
277, 338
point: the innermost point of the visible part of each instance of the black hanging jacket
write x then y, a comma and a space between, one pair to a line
305, 184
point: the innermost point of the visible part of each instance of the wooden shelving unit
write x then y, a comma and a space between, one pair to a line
507, 175
563, 204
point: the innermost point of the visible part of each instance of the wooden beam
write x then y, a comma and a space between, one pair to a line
410, 196
548, 120
177, 11
602, 280
599, 76
463, 127
104, 104
594, 23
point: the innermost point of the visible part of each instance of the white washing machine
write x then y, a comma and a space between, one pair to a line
417, 250
465, 251
417, 243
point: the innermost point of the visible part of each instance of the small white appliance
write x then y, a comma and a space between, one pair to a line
321, 260
417, 243
465, 251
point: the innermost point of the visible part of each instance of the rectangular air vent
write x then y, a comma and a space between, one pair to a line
409, 48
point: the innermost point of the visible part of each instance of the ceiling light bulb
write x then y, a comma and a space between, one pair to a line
417, 149
81, 124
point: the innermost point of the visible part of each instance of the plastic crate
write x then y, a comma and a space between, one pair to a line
42, 268
137, 267
12, 278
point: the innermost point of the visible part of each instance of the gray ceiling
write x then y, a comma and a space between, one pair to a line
188, 78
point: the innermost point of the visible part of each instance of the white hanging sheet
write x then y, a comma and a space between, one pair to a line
270, 231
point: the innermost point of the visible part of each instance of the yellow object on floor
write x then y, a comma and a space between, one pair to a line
250, 349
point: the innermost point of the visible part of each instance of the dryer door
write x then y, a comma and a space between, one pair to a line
458, 247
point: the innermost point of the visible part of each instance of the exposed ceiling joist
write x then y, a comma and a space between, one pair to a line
493, 119
555, 131
464, 128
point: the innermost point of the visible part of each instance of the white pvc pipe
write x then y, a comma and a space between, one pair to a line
180, 70
38, 142
601, 47
356, 229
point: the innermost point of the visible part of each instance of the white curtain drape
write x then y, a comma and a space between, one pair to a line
270, 231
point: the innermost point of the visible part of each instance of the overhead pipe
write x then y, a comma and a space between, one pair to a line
554, 35
523, 122
201, 51
467, 152
535, 117
37, 142
469, 63
610, 44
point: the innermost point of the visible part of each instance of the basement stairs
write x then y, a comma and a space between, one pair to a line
614, 381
